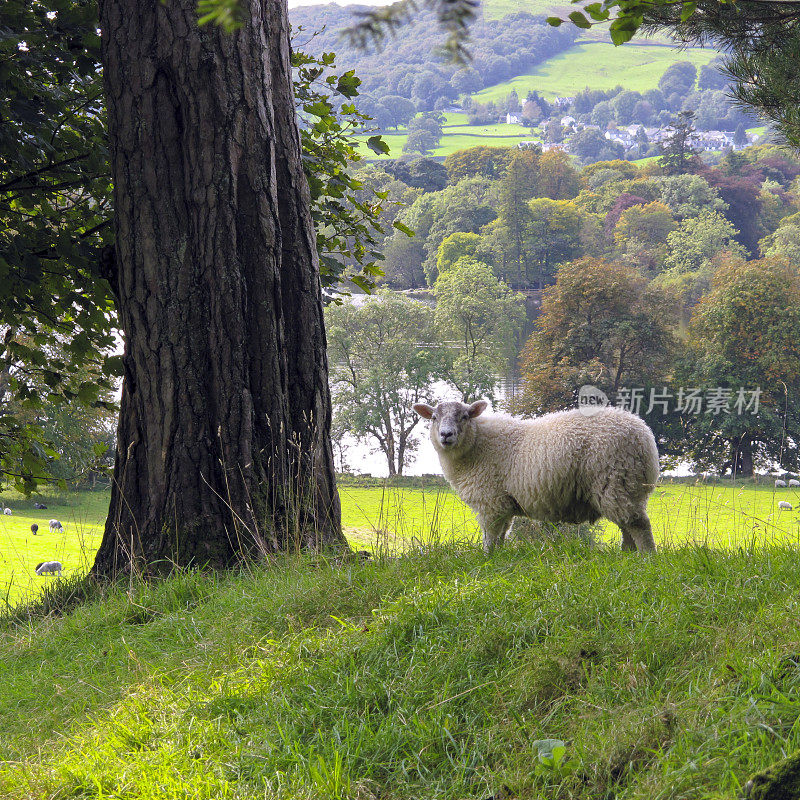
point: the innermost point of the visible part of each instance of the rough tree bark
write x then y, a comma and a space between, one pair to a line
223, 440
742, 456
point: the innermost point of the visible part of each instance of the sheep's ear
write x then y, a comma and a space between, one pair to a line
477, 408
424, 410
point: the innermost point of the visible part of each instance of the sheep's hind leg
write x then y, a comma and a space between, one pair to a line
494, 530
627, 541
637, 530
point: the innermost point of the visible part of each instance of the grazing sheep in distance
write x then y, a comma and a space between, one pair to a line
34, 529
784, 504
49, 567
779, 483
7, 512
55, 525
794, 482
563, 467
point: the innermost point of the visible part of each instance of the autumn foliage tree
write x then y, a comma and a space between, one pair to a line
746, 334
486, 162
641, 234
601, 324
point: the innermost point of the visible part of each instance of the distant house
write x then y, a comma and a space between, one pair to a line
621, 136
512, 119
527, 145
712, 140
567, 122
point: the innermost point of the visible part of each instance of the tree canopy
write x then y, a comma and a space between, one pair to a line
384, 358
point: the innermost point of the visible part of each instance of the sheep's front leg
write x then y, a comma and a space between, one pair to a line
494, 527
638, 530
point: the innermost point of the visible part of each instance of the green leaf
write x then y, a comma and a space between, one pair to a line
687, 10
596, 11
580, 20
377, 145
362, 283
620, 35
403, 228
556, 22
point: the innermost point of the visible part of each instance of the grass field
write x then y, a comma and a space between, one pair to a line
496, 9
390, 518
458, 136
553, 671
599, 65
82, 515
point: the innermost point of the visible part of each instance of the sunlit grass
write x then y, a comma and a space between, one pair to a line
386, 518
437, 674
637, 66
82, 515
458, 137
719, 515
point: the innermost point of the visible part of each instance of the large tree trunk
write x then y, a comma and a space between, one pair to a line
223, 441
742, 457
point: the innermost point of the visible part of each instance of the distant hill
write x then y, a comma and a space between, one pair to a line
515, 55
408, 66
512, 48
634, 66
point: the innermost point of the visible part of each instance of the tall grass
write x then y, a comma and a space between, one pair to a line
435, 674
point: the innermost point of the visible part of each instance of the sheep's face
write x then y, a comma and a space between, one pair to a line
452, 423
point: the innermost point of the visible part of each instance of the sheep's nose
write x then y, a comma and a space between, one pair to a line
446, 436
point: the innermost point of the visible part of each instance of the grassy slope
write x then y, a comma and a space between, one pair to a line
495, 9
459, 135
429, 676
638, 67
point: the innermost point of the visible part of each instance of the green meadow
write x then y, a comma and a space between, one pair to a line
555, 669
600, 65
550, 671
382, 517
457, 135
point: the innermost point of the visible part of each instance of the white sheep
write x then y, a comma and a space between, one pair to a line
783, 504
794, 482
55, 525
562, 467
49, 567
7, 512
779, 483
